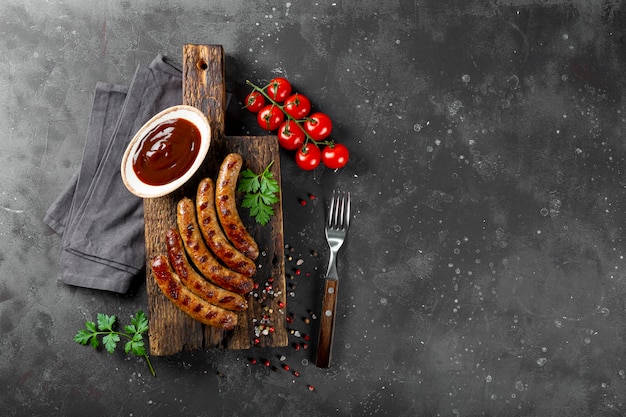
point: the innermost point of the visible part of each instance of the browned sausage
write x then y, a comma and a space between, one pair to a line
202, 257
227, 206
196, 282
212, 232
188, 302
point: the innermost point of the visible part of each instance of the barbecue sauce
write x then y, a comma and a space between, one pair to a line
167, 152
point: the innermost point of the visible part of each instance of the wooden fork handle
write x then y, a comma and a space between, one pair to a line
327, 324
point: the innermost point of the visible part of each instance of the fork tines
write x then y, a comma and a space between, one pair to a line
339, 214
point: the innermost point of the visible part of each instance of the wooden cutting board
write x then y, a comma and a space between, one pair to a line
172, 331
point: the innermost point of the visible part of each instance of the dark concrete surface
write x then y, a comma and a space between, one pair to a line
485, 271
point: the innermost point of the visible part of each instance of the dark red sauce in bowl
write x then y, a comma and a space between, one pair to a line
167, 152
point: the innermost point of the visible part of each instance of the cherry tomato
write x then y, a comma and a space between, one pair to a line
290, 135
279, 89
255, 101
318, 126
297, 106
335, 156
270, 117
308, 156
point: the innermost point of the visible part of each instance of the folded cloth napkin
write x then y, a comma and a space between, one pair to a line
100, 221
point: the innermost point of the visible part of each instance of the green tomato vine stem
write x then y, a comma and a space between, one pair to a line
298, 123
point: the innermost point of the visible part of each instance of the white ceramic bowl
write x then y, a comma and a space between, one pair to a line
134, 184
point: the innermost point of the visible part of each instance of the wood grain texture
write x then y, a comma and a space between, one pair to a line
327, 324
171, 331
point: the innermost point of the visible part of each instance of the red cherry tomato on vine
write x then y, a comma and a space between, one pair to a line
297, 106
255, 101
318, 126
279, 89
290, 135
335, 156
308, 156
270, 117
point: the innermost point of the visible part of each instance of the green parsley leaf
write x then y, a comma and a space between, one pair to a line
249, 182
137, 348
84, 336
105, 323
140, 321
91, 326
260, 193
110, 341
110, 338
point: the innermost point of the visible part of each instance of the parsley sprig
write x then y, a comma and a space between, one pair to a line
260, 193
110, 337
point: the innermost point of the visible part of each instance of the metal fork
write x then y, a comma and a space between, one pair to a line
336, 231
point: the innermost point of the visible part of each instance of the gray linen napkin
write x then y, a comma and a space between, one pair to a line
100, 221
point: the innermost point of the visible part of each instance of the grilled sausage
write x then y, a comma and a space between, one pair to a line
188, 302
227, 206
200, 255
212, 232
194, 281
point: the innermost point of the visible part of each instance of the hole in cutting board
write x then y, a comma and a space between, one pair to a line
202, 65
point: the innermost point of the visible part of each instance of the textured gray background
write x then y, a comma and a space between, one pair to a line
485, 270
